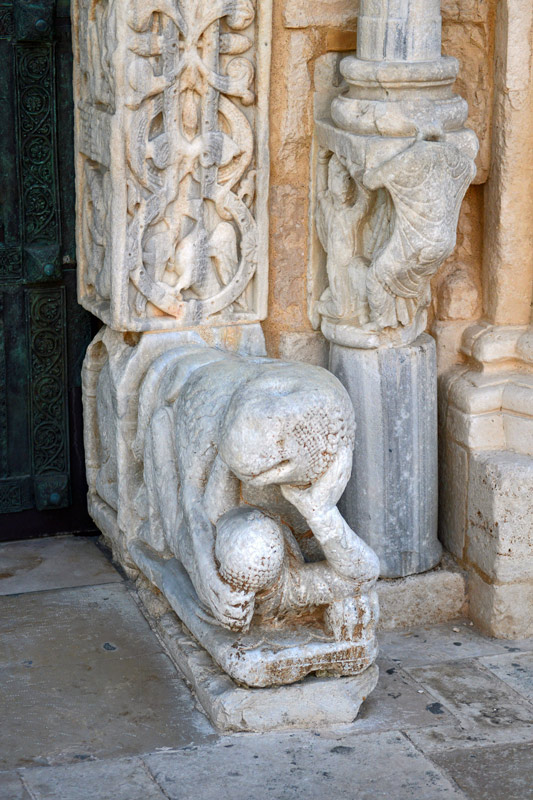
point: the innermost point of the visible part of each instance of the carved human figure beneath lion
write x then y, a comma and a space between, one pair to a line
215, 427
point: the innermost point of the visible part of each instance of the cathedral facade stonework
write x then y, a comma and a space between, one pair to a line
308, 230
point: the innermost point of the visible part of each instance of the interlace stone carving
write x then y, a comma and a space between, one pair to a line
172, 161
237, 465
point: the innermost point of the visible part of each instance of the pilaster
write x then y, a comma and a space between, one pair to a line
486, 406
171, 120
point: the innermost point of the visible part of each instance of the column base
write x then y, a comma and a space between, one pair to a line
486, 518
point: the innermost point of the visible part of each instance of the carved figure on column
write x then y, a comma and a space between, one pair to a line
341, 211
386, 231
398, 132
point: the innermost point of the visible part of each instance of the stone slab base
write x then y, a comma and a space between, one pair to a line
311, 703
427, 599
262, 656
436, 596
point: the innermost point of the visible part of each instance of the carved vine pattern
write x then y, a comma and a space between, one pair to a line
48, 380
189, 142
10, 263
7, 26
35, 90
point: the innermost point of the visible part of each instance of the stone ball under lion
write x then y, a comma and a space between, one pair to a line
250, 549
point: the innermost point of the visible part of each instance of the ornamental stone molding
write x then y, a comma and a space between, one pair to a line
172, 160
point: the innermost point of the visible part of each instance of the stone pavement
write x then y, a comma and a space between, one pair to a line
92, 708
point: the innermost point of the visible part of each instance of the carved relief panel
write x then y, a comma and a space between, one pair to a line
386, 217
172, 160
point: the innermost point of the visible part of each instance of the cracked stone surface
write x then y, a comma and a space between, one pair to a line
92, 707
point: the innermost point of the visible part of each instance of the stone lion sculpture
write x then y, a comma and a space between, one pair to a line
233, 448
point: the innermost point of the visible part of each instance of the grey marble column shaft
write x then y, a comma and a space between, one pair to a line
399, 30
391, 498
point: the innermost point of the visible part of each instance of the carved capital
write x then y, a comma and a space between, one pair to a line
394, 163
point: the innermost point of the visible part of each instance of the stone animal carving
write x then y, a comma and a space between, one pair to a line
216, 429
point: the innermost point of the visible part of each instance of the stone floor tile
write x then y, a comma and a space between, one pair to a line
11, 787
298, 766
106, 706
488, 711
69, 625
516, 669
54, 563
450, 641
491, 773
398, 702
449, 737
113, 779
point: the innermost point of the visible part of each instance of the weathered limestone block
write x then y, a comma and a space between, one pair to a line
486, 481
436, 596
500, 515
500, 542
391, 497
331, 13
172, 160
468, 32
501, 610
217, 474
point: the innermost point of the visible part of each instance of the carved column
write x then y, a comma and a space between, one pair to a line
393, 164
